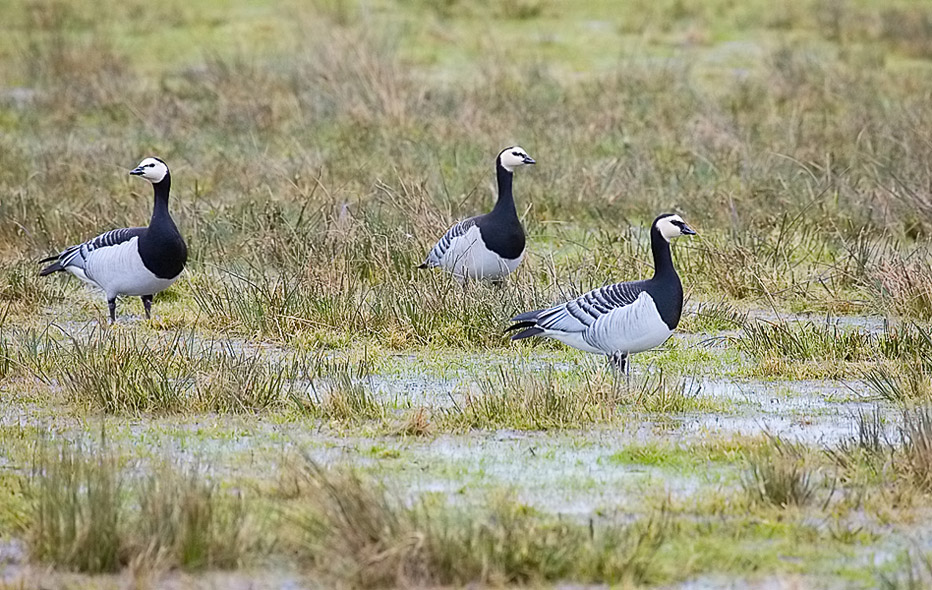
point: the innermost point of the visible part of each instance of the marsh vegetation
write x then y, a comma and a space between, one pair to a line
308, 407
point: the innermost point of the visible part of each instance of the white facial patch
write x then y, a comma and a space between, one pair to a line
668, 229
153, 170
512, 158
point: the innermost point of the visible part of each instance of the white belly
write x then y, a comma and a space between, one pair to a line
574, 339
468, 257
119, 270
632, 328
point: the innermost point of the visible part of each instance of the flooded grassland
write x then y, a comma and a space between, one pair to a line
308, 409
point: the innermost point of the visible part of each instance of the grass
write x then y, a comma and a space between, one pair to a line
514, 398
362, 533
87, 515
186, 521
76, 509
344, 393
793, 138
778, 475
120, 374
827, 349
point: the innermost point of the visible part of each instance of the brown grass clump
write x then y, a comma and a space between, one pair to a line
778, 474
357, 530
86, 515
905, 285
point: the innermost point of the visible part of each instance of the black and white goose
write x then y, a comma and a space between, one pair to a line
132, 261
621, 319
489, 246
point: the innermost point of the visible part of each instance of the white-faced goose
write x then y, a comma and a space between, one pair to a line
489, 246
132, 261
621, 319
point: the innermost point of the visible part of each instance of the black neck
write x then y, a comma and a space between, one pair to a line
663, 260
161, 247
667, 290
506, 200
160, 208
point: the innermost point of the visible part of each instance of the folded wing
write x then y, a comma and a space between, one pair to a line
435, 256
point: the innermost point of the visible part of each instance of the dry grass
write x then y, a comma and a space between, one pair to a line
319, 150
87, 515
358, 531
518, 398
778, 474
290, 235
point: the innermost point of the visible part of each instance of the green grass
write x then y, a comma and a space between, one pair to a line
360, 532
86, 514
319, 149
76, 509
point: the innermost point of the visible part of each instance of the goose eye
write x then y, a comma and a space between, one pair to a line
518, 154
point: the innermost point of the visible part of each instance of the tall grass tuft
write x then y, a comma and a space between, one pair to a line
870, 447
516, 398
359, 531
662, 393
778, 475
341, 391
85, 515
807, 341
129, 374
118, 374
905, 285
185, 520
76, 511
914, 573
908, 382
916, 434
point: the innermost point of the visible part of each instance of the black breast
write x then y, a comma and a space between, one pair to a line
667, 294
502, 235
163, 252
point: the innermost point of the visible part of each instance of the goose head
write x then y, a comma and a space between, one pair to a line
152, 169
511, 158
672, 226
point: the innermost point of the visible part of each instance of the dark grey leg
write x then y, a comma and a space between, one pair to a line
619, 362
147, 303
111, 304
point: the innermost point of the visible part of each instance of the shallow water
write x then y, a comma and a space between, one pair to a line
585, 474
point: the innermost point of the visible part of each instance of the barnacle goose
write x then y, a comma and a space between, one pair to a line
134, 261
621, 319
489, 246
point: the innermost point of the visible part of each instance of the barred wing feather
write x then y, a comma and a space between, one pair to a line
579, 314
77, 255
458, 230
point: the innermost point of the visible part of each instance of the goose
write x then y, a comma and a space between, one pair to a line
131, 261
621, 319
490, 246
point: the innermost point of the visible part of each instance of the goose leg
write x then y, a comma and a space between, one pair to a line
618, 361
111, 305
147, 303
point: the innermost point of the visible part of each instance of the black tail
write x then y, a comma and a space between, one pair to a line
526, 321
54, 267
527, 333
422, 265
519, 325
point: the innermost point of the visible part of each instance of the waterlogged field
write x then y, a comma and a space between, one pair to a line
306, 409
